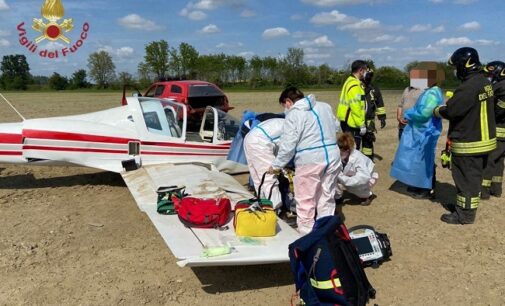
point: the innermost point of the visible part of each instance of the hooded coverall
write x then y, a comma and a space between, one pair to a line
309, 134
358, 176
260, 146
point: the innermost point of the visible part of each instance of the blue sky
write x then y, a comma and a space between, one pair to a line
391, 32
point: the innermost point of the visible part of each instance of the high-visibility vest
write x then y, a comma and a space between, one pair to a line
351, 108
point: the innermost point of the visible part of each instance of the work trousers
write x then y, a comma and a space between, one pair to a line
493, 173
315, 191
367, 144
467, 172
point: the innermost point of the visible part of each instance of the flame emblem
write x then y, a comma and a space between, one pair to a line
52, 11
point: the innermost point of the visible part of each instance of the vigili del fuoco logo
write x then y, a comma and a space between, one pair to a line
52, 28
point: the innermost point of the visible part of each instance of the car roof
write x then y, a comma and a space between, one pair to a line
185, 82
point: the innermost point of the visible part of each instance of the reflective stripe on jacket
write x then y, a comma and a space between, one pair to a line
351, 108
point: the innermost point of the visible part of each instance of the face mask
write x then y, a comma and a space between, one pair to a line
455, 73
286, 110
344, 155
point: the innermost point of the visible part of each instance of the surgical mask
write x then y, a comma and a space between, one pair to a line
286, 110
455, 72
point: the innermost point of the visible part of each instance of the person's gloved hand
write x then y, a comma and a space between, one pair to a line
362, 130
383, 123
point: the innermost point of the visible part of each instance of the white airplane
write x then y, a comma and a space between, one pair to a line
150, 148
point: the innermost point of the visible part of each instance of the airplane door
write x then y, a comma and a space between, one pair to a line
217, 126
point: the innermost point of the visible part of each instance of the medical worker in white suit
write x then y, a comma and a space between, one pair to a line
260, 146
309, 135
358, 175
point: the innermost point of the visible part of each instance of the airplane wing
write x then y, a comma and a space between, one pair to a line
187, 244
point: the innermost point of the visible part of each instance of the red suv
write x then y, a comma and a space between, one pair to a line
196, 94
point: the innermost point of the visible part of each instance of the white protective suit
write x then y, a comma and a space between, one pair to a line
358, 176
309, 134
259, 147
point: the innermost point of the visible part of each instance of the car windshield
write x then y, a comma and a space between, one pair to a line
204, 90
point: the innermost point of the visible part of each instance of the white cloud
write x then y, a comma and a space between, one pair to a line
274, 33
333, 17
364, 24
246, 54
119, 53
134, 21
375, 50
327, 3
458, 41
4, 43
53, 45
427, 27
197, 15
3, 5
248, 13
470, 26
321, 41
436, 1
421, 51
296, 17
209, 29
464, 2
317, 56
194, 11
229, 45
420, 28
386, 38
4, 33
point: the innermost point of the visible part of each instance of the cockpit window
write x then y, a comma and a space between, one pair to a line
160, 118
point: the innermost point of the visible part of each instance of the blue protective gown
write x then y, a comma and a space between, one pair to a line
415, 156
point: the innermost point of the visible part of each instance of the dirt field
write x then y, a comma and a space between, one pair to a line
74, 236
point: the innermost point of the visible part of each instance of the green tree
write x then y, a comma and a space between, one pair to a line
58, 82
156, 58
189, 59
78, 80
294, 69
101, 68
145, 75
391, 77
125, 78
15, 72
174, 63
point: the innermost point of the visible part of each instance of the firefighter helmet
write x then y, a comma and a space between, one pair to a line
465, 60
495, 70
367, 78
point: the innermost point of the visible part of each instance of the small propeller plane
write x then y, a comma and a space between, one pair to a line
150, 147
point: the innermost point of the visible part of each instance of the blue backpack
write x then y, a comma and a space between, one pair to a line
327, 267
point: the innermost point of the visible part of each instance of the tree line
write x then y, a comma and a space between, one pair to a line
162, 62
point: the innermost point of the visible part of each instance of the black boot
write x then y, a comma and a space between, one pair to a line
485, 193
460, 216
495, 189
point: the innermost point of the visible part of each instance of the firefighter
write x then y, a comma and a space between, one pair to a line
374, 107
472, 133
351, 107
492, 182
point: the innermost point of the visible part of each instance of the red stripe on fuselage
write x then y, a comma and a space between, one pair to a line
43, 148
38, 134
184, 145
11, 138
181, 154
13, 153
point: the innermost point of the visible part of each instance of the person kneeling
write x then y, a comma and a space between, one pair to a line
358, 175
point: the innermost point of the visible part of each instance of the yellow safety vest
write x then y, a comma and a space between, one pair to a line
351, 108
